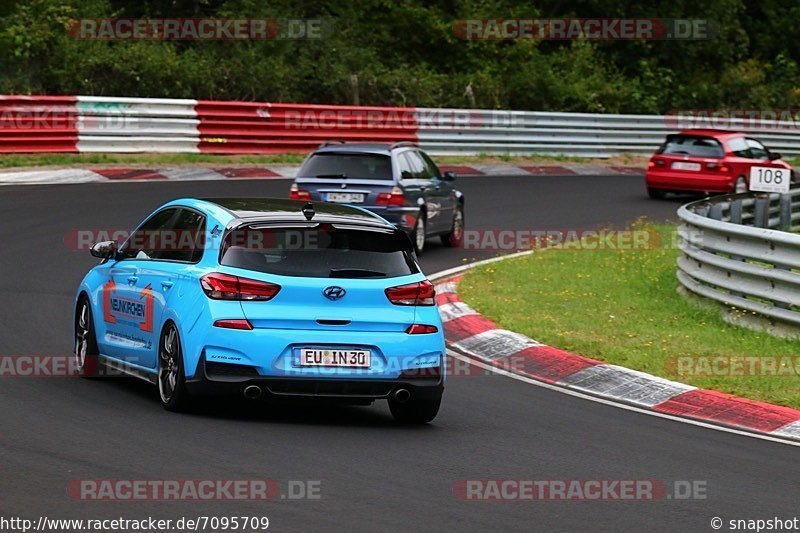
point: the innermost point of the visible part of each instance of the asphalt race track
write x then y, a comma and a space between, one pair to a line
374, 474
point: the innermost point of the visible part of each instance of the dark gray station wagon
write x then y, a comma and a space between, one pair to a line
397, 181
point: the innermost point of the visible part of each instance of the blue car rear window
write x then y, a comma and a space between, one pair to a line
324, 251
341, 165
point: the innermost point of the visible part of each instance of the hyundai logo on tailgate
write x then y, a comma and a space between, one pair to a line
333, 292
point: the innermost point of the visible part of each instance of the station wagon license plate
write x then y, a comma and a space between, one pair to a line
340, 358
345, 197
681, 165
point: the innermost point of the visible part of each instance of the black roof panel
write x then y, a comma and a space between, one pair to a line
281, 209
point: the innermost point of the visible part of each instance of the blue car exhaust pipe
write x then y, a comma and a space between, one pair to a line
252, 392
402, 395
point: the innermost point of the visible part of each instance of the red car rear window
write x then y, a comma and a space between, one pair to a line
693, 146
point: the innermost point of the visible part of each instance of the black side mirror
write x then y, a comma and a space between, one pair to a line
104, 249
449, 176
775, 155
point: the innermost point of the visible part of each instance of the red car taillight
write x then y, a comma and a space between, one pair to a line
421, 329
395, 197
718, 167
296, 193
226, 287
419, 293
656, 163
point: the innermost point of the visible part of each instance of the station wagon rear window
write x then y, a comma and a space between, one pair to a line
324, 251
344, 166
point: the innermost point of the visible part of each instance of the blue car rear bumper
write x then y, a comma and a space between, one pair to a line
213, 379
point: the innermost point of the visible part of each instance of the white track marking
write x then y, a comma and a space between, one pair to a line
624, 384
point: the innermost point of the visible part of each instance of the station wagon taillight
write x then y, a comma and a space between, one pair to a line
419, 293
395, 197
296, 193
226, 287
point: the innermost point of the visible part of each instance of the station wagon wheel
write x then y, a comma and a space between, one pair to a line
740, 186
171, 378
419, 233
86, 352
455, 238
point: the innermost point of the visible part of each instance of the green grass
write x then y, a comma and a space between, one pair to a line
623, 307
39, 160
80, 160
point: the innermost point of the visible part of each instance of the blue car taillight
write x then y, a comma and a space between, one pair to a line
419, 293
226, 287
421, 329
234, 323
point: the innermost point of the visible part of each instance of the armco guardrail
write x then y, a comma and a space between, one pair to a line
112, 124
739, 250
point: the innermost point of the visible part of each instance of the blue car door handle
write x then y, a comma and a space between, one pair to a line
166, 285
132, 280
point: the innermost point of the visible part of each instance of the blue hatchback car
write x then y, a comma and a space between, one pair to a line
267, 298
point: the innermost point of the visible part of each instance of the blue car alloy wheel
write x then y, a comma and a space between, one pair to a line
267, 298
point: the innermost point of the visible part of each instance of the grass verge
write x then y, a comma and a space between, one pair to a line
82, 160
622, 307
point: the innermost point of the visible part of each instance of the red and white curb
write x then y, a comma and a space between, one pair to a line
117, 175
470, 334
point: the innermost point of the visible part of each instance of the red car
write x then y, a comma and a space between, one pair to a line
707, 161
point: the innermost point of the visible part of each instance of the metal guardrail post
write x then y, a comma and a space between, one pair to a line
736, 218
785, 224
736, 212
785, 213
761, 215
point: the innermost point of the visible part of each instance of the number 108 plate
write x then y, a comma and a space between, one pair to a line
770, 179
